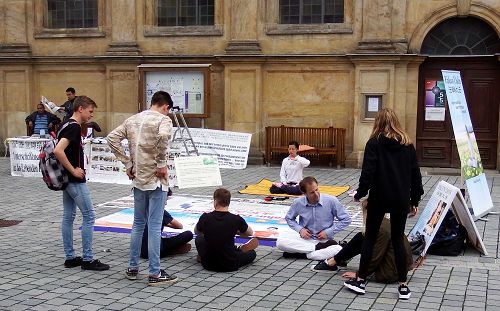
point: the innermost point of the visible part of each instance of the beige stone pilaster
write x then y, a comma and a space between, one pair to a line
373, 76
396, 79
13, 28
15, 99
123, 28
121, 93
242, 101
243, 27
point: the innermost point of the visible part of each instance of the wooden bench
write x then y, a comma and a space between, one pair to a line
326, 141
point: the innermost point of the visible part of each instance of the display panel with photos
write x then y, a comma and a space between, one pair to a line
187, 85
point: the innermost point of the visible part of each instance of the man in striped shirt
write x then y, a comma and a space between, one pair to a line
41, 120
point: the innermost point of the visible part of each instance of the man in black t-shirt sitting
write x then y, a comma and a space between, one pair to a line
215, 237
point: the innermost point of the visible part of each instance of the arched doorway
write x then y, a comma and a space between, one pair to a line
468, 45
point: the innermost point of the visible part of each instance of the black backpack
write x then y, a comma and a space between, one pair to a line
450, 239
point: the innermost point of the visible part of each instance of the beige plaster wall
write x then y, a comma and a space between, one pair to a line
312, 95
15, 96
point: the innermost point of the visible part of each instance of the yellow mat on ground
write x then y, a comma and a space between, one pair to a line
262, 188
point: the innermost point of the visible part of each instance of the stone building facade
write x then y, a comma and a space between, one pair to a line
272, 62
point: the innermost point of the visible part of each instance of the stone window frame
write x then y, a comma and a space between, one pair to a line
273, 26
152, 30
42, 32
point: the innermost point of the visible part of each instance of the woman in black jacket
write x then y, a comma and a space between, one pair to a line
391, 173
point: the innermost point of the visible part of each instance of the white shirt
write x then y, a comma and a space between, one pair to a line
291, 170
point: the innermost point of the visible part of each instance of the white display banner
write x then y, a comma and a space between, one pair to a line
24, 156
197, 171
102, 165
470, 160
231, 148
444, 197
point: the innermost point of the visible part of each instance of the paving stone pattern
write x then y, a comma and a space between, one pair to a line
33, 276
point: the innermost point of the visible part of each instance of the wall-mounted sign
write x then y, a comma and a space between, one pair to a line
187, 84
373, 104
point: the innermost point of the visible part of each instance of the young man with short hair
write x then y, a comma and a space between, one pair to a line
69, 152
148, 134
215, 237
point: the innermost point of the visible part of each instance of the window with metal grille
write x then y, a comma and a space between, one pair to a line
185, 12
72, 13
311, 11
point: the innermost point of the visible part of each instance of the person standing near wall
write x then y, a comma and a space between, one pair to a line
392, 175
148, 134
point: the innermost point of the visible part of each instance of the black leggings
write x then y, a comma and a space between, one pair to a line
292, 189
374, 217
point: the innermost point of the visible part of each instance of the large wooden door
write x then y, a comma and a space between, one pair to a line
481, 79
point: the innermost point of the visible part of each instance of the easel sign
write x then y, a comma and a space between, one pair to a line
197, 171
444, 197
187, 84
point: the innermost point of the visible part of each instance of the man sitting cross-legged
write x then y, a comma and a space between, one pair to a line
173, 245
316, 226
215, 237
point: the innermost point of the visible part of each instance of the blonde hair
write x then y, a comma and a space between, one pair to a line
387, 124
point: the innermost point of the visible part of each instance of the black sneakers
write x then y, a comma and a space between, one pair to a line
95, 265
323, 267
131, 274
71, 263
404, 292
356, 286
164, 278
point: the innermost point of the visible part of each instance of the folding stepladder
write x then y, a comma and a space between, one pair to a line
182, 133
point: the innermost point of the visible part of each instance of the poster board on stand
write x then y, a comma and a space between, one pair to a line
187, 84
444, 197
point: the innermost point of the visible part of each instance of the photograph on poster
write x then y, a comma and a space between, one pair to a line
185, 87
436, 214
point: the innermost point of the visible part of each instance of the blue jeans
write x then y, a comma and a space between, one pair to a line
77, 194
148, 209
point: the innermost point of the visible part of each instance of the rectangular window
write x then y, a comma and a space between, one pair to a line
311, 11
185, 12
71, 14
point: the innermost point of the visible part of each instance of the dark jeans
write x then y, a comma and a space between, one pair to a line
286, 189
170, 244
244, 258
375, 215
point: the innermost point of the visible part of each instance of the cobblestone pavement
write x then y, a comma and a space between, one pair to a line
33, 277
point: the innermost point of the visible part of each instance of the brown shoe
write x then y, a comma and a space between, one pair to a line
253, 243
182, 249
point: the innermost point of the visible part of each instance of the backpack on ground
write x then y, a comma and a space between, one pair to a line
54, 174
450, 239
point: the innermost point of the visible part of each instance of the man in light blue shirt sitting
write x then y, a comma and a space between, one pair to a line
41, 120
316, 226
